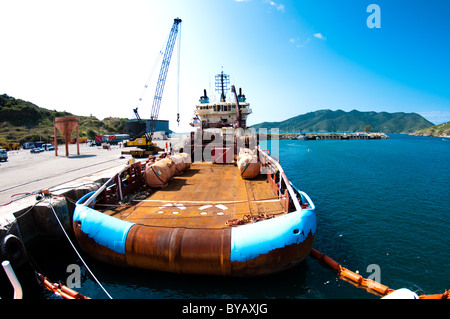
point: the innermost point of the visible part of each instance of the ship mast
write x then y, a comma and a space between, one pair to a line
222, 83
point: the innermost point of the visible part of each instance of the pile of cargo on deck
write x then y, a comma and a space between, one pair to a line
248, 163
160, 171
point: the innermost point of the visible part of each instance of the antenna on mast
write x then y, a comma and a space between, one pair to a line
222, 85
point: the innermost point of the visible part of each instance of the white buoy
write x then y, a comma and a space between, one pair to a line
13, 279
402, 293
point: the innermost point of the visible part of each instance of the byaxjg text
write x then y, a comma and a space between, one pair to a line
231, 308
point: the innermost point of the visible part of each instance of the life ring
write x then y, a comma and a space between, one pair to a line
12, 249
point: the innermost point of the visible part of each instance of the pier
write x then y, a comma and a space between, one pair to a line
312, 136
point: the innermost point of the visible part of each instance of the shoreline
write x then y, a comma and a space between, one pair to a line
429, 135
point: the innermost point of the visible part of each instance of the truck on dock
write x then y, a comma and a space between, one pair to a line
3, 155
112, 139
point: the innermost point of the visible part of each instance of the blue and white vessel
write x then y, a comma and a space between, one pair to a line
222, 206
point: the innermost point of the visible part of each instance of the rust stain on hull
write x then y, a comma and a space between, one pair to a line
276, 260
179, 250
96, 250
193, 251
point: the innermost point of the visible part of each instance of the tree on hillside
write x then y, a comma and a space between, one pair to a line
367, 128
91, 134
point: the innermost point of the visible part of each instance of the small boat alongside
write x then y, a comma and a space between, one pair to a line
222, 206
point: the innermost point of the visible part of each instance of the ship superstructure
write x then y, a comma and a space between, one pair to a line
231, 112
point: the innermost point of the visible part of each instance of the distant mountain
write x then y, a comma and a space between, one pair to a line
353, 121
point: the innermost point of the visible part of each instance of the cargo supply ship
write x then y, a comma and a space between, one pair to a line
221, 206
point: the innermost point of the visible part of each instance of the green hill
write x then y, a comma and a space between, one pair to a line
441, 130
22, 121
353, 121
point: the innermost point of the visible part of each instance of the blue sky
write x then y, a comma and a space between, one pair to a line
289, 56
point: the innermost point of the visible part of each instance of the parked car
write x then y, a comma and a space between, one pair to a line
49, 147
36, 150
3, 155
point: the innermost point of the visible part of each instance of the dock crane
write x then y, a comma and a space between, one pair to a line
143, 140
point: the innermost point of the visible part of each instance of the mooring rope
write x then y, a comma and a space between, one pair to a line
73, 246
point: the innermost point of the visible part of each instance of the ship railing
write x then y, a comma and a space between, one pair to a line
102, 188
116, 187
304, 197
282, 180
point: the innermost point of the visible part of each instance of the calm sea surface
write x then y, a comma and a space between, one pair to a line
382, 202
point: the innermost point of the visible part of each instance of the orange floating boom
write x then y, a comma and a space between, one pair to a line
445, 295
59, 289
360, 282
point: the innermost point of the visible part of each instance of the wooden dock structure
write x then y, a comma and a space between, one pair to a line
329, 136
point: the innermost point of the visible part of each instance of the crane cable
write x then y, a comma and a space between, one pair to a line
150, 76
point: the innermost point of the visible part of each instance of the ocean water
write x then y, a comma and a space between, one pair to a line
378, 202
382, 202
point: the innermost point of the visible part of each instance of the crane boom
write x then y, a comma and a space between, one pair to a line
144, 142
162, 76
238, 108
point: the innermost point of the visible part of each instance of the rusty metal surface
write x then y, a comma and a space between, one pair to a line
96, 250
205, 196
204, 251
275, 261
192, 251
179, 250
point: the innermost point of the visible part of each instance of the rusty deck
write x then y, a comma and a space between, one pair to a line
205, 196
